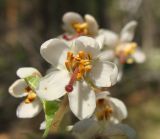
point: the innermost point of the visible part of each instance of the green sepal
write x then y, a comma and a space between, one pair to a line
50, 107
33, 81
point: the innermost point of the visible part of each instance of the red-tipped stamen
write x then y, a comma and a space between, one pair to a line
69, 87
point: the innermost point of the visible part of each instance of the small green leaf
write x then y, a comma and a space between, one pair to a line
50, 107
32, 81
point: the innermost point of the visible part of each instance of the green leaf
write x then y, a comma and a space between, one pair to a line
32, 81
50, 107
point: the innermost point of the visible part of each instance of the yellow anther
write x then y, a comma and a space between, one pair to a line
27, 101
127, 48
81, 27
68, 65
30, 96
81, 68
77, 58
124, 51
82, 61
130, 60
107, 112
88, 68
104, 113
69, 56
100, 115
79, 75
130, 48
81, 54
87, 63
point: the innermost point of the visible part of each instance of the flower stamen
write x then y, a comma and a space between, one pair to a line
78, 66
81, 28
123, 52
30, 96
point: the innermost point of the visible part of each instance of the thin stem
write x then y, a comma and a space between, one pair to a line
59, 115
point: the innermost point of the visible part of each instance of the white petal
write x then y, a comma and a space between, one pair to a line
120, 75
82, 100
52, 86
120, 70
43, 125
69, 19
27, 71
111, 39
107, 55
29, 110
100, 40
54, 51
86, 44
17, 89
102, 95
139, 56
128, 31
119, 109
92, 25
104, 74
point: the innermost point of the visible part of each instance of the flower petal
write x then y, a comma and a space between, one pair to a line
92, 25
107, 55
43, 125
54, 51
17, 89
119, 109
86, 44
139, 56
82, 100
27, 71
52, 86
104, 74
128, 31
70, 18
100, 40
111, 39
29, 110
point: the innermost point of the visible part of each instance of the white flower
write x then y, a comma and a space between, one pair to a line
77, 70
125, 49
75, 25
31, 106
109, 108
90, 128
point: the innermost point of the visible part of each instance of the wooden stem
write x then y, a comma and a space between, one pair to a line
59, 115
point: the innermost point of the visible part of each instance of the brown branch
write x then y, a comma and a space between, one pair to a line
59, 115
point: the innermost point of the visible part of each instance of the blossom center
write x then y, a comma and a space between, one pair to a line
104, 110
78, 66
31, 95
81, 28
124, 52
104, 114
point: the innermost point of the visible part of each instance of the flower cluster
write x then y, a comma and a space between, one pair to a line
85, 61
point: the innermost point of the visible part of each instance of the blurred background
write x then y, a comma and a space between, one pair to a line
26, 24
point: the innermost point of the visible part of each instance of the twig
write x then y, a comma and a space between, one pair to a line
59, 115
